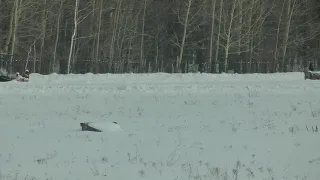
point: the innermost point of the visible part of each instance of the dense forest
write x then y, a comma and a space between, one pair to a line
118, 36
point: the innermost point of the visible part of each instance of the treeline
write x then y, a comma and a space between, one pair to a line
118, 36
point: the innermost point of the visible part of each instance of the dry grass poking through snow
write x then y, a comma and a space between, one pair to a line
235, 130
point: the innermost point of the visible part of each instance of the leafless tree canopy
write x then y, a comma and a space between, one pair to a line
118, 36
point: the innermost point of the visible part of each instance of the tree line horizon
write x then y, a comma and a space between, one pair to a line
174, 36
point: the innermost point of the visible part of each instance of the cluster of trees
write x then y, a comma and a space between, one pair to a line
118, 36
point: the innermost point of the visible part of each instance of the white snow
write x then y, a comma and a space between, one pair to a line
173, 127
106, 126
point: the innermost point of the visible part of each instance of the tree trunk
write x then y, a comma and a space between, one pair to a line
227, 46
213, 7
249, 38
97, 57
54, 61
92, 31
14, 33
113, 38
11, 26
178, 65
43, 33
142, 61
156, 58
286, 33
275, 58
73, 35
239, 37
34, 57
218, 39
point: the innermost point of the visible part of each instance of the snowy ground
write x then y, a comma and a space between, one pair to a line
174, 127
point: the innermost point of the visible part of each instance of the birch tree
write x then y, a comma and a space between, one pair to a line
115, 24
228, 35
185, 24
217, 63
275, 58
43, 31
213, 8
142, 61
16, 15
97, 57
74, 34
290, 7
239, 33
55, 64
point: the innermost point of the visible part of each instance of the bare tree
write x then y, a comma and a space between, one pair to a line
275, 58
239, 34
290, 7
178, 65
142, 61
43, 31
17, 11
115, 25
228, 35
213, 8
73, 35
97, 57
55, 64
218, 39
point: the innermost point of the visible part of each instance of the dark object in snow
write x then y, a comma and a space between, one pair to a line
311, 68
87, 127
100, 126
312, 75
4, 77
309, 73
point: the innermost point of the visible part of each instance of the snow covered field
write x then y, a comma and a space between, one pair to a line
173, 127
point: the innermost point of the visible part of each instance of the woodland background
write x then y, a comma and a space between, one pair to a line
118, 36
